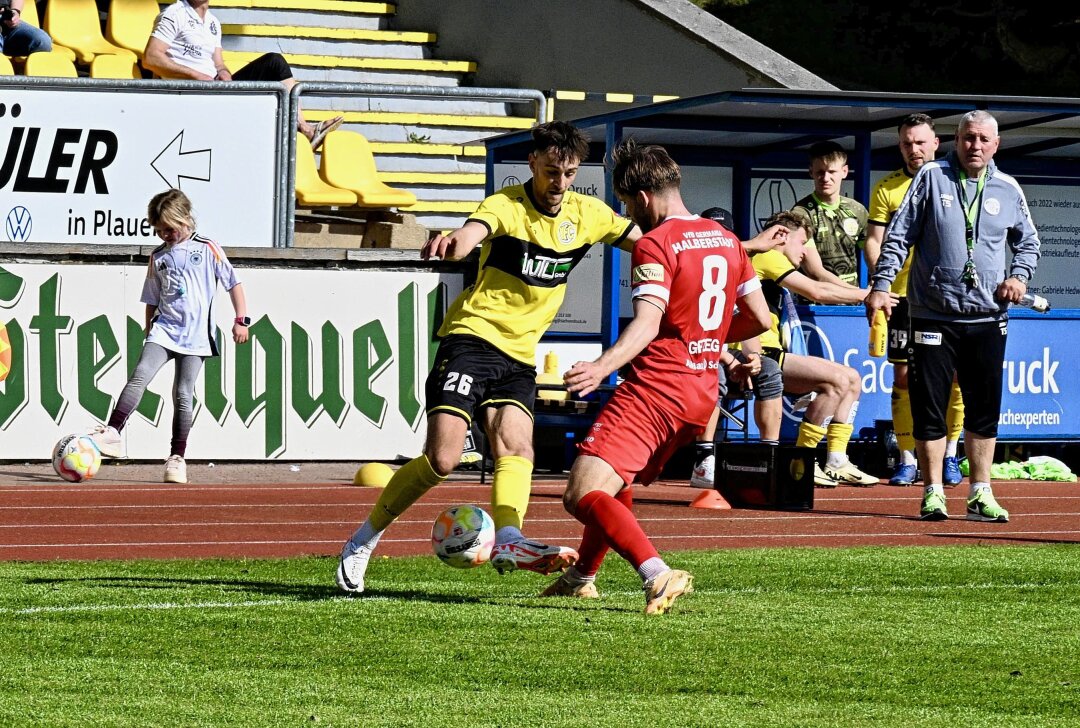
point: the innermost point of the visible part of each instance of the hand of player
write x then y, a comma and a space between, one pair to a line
436, 247
239, 333
584, 377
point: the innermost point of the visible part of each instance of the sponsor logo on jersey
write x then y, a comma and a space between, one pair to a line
946, 200
928, 338
647, 272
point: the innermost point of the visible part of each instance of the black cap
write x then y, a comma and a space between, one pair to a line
721, 216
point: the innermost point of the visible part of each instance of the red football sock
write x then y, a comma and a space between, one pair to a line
594, 546
620, 528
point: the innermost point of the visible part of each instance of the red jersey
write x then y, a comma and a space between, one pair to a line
698, 268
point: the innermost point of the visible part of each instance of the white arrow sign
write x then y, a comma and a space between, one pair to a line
173, 164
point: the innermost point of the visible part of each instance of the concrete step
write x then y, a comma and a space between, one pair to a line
398, 77
416, 163
285, 44
422, 128
325, 13
407, 104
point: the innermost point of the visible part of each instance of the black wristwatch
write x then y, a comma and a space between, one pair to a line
242, 320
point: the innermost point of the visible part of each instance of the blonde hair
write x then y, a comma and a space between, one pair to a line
171, 208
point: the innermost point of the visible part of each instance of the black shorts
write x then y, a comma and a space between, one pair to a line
898, 350
470, 374
974, 353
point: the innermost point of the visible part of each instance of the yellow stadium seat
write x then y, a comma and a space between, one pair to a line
130, 23
347, 162
109, 66
53, 64
5, 66
29, 14
75, 24
311, 191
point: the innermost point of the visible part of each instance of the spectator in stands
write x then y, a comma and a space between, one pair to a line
531, 236
831, 413
742, 370
16, 37
186, 43
918, 145
687, 275
961, 214
838, 223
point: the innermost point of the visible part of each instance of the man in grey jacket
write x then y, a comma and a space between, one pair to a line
957, 218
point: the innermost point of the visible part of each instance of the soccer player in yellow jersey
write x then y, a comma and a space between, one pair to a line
831, 414
918, 145
531, 236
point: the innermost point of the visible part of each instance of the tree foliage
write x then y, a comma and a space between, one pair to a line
987, 47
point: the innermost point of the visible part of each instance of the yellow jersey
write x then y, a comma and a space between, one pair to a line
525, 262
885, 200
772, 267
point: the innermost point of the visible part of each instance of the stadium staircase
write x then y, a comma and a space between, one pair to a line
430, 147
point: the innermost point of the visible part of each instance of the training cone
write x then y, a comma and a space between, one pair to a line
710, 499
373, 475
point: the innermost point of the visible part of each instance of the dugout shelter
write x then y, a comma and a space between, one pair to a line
747, 150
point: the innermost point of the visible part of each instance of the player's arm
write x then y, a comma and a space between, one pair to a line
151, 311
239, 304
156, 58
823, 291
814, 268
627, 243
875, 233
457, 244
752, 318
585, 377
767, 239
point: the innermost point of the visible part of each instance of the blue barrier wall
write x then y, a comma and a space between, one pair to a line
1040, 373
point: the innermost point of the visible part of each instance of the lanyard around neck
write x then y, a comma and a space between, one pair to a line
971, 209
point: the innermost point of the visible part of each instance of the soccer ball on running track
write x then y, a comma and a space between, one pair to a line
463, 536
76, 458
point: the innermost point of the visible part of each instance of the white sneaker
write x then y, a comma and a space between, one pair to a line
702, 476
108, 441
175, 470
351, 568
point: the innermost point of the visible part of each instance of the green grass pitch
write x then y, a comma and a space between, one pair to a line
968, 636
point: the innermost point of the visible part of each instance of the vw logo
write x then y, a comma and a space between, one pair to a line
18, 224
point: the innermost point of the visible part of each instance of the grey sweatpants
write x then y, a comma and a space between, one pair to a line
151, 360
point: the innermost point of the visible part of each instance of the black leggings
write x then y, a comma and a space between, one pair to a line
267, 67
975, 353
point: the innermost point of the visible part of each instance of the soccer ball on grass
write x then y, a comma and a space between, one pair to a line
463, 536
76, 458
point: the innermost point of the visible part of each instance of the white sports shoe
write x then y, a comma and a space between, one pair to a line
108, 441
351, 568
702, 477
175, 470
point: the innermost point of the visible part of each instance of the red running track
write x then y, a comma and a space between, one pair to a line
41, 519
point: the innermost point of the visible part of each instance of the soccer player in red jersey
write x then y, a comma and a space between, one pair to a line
687, 275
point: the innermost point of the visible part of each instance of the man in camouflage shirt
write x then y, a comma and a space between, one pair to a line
838, 222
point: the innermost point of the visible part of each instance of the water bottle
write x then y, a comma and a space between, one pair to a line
1034, 302
879, 334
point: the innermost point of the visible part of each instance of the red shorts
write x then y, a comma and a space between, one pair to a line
636, 437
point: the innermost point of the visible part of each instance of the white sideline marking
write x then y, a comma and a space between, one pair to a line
250, 604
124, 607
